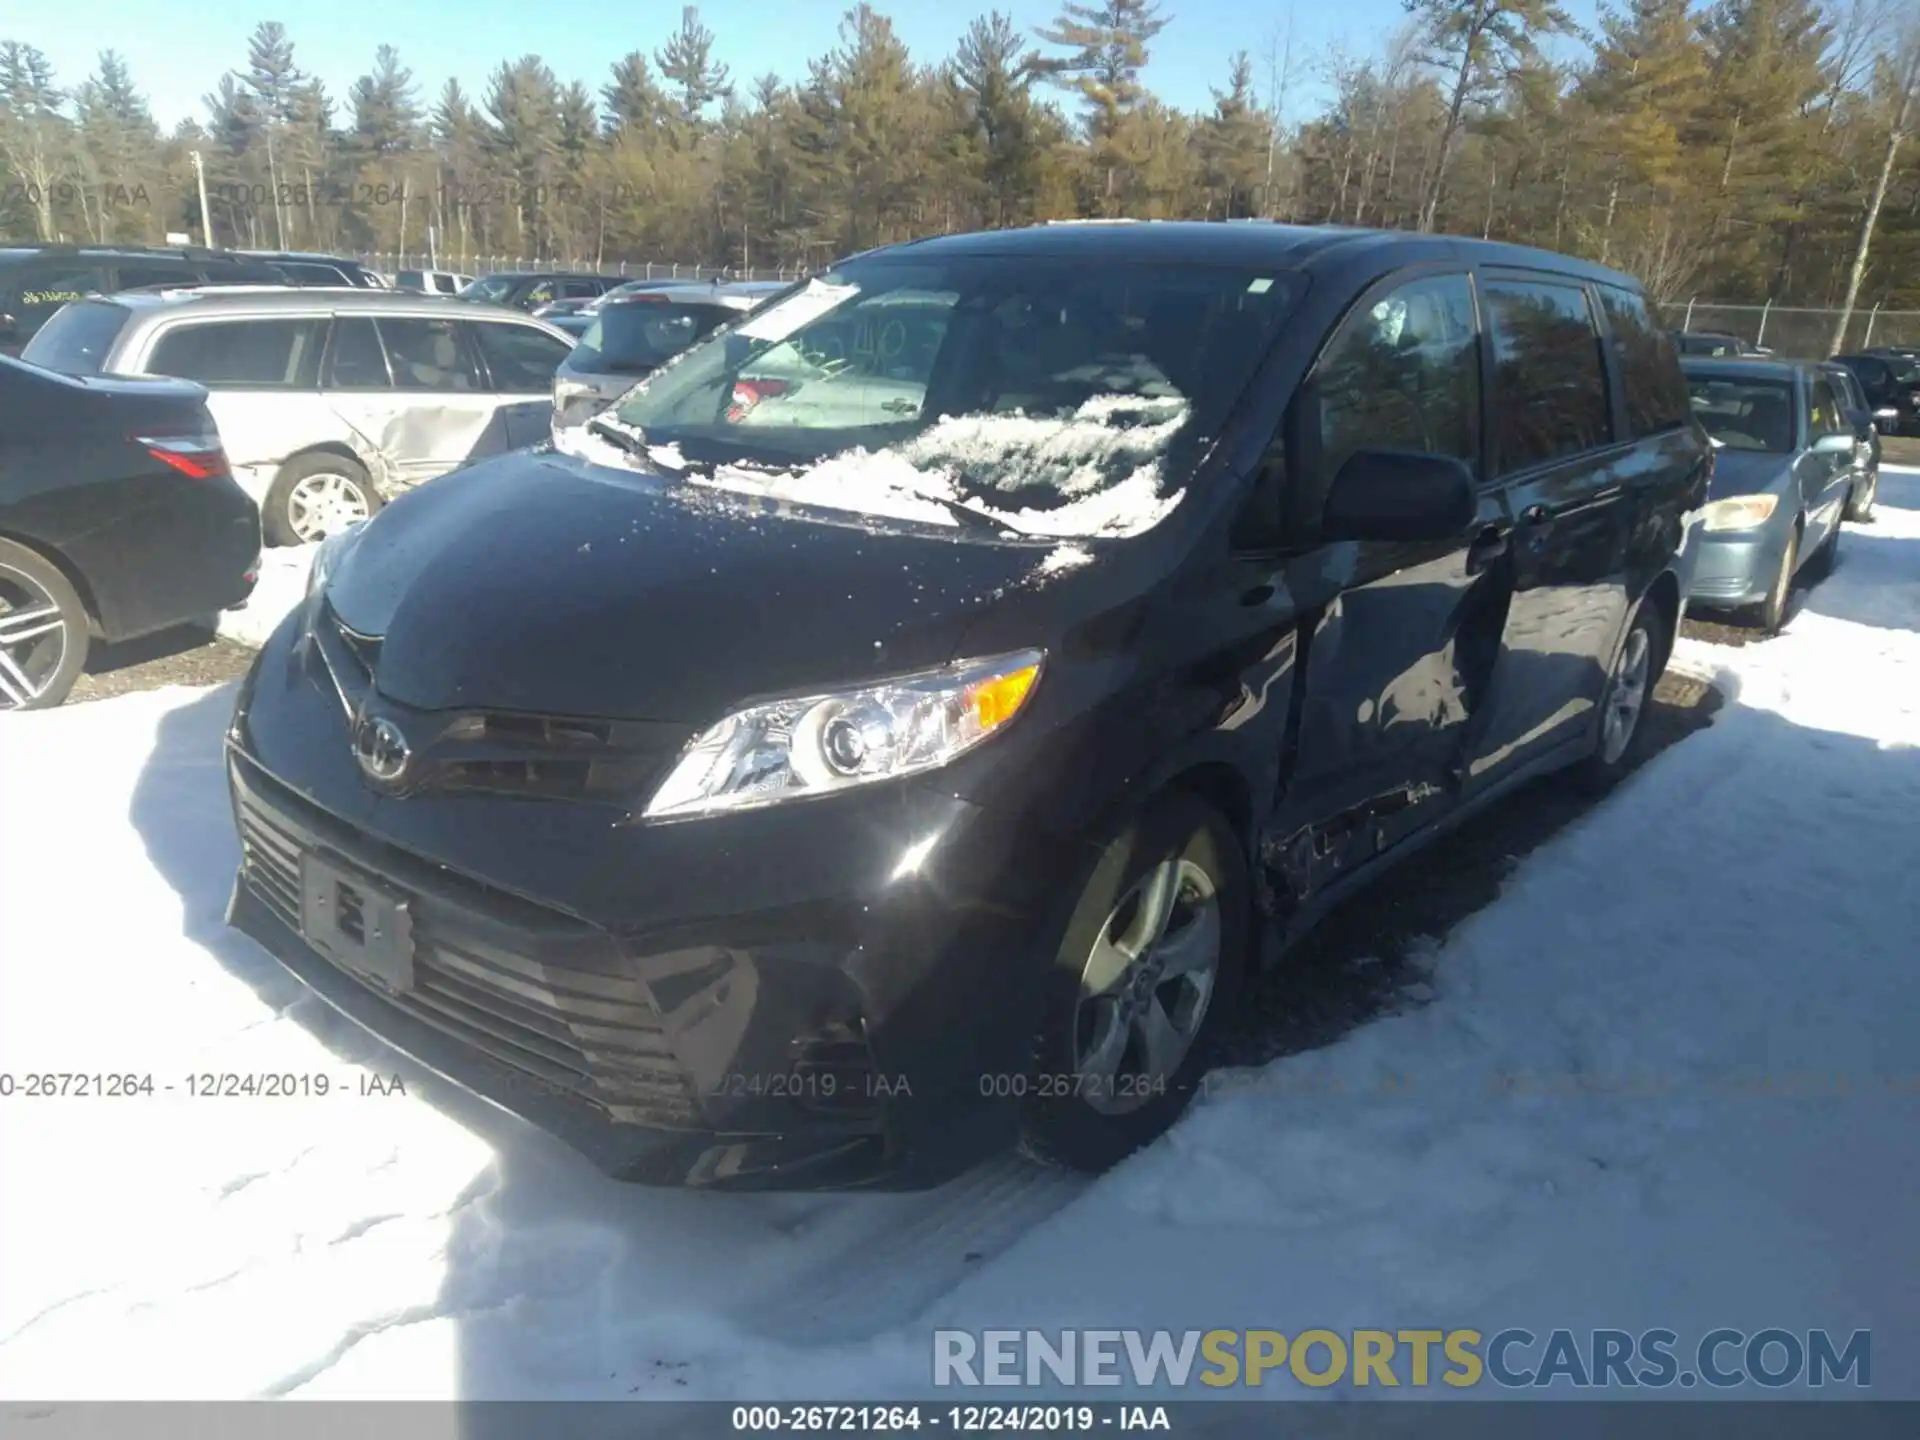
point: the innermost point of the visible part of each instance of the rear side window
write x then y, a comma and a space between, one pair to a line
356, 361
304, 273
429, 354
79, 337
43, 290
243, 354
410, 280
1402, 373
1650, 380
520, 359
1549, 388
139, 277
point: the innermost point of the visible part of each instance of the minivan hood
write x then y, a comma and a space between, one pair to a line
1746, 472
538, 582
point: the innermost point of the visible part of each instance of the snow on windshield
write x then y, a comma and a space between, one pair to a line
1104, 457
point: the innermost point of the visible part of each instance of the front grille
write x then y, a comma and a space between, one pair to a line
555, 1004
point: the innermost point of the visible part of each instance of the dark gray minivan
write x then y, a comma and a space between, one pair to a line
892, 730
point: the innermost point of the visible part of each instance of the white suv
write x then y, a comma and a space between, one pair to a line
329, 402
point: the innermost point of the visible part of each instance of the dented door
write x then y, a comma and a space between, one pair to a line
409, 389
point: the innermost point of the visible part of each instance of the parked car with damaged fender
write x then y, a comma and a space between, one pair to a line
329, 402
835, 800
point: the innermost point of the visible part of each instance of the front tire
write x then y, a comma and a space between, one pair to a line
1773, 610
44, 631
1151, 963
315, 496
1860, 500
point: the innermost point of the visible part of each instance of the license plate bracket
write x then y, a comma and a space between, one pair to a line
356, 922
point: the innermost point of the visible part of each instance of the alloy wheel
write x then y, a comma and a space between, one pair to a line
324, 504
1627, 696
1146, 986
33, 640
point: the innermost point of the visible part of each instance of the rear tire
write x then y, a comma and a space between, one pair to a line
44, 631
1153, 958
315, 496
1625, 702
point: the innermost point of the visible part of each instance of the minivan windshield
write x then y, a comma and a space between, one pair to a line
633, 337
1061, 398
1745, 414
79, 337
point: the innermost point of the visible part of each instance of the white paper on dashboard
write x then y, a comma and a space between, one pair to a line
797, 310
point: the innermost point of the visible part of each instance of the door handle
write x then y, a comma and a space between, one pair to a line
1488, 546
1535, 515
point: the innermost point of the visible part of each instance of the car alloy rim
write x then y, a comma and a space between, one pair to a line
324, 504
1628, 697
33, 640
1146, 986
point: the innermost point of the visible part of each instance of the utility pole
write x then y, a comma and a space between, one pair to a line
206, 217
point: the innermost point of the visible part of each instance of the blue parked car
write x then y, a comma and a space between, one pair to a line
1785, 466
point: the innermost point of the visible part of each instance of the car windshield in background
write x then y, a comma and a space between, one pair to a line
493, 287
79, 337
1906, 372
638, 336
1745, 414
1061, 399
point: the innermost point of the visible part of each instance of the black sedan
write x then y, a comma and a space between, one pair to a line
1892, 385
118, 518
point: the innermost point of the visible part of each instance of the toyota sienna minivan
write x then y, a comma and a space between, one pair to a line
837, 799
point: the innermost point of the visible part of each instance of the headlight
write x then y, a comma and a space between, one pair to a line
326, 560
817, 744
1741, 512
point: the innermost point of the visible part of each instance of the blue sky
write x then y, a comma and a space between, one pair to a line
178, 48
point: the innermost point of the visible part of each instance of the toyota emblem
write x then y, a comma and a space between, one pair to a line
381, 749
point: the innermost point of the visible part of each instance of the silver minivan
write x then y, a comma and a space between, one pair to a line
329, 402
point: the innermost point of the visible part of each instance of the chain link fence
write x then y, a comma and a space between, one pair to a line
392, 264
1794, 333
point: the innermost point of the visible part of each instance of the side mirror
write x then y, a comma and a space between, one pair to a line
1399, 496
1834, 445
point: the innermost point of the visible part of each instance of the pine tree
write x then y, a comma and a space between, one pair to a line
1233, 145
1109, 50
688, 66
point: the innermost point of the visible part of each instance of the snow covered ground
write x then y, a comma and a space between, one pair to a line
1724, 950
283, 582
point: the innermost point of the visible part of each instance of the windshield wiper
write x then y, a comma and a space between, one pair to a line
974, 519
619, 438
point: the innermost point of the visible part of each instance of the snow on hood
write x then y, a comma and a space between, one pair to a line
1104, 457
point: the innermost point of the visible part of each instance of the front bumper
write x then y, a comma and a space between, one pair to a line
759, 1001
1735, 568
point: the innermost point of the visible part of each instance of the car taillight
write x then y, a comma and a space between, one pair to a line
749, 393
199, 457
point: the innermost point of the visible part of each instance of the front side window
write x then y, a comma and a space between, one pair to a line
356, 361
1549, 388
242, 354
1745, 414
520, 359
428, 354
1061, 397
1401, 373
1654, 389
79, 337
1825, 410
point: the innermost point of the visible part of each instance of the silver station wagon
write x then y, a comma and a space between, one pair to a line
329, 402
